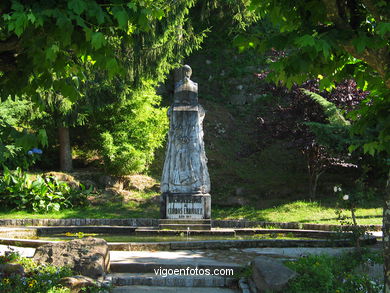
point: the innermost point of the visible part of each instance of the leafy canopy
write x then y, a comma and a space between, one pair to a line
331, 40
47, 44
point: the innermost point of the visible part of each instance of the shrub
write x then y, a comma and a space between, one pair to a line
43, 194
130, 131
17, 138
37, 278
322, 273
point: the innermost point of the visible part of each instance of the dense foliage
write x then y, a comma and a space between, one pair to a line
331, 41
40, 194
37, 278
333, 274
53, 53
16, 137
46, 45
130, 131
313, 122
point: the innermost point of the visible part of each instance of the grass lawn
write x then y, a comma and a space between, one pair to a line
296, 211
301, 212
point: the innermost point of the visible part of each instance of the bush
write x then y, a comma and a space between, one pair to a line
322, 273
130, 131
43, 194
37, 278
16, 137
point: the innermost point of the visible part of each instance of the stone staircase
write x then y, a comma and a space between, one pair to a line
184, 225
171, 272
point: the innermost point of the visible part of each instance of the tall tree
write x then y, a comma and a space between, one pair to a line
47, 46
334, 40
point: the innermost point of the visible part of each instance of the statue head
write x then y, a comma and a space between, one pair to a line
186, 91
187, 71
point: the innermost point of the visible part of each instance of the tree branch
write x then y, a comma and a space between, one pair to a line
333, 13
10, 45
378, 60
7, 62
374, 11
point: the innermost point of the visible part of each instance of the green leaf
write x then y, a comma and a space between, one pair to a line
6, 17
352, 148
371, 147
20, 23
63, 21
97, 12
97, 40
78, 6
42, 137
17, 6
31, 17
112, 67
305, 41
360, 43
143, 20
326, 84
158, 13
51, 52
383, 28
66, 90
122, 18
133, 6
325, 47
76, 81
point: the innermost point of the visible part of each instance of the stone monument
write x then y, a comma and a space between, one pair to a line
185, 183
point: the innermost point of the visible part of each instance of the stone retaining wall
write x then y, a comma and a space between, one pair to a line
17, 233
304, 226
207, 244
147, 222
134, 222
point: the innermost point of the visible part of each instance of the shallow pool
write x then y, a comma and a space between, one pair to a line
165, 238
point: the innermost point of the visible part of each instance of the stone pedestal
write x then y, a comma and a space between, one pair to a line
185, 206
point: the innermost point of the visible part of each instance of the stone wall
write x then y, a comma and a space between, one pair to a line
134, 222
147, 222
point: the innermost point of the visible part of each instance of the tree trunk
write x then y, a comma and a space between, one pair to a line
386, 236
65, 149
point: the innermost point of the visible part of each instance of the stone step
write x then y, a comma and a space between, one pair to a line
126, 279
148, 261
128, 267
225, 232
185, 227
154, 289
184, 221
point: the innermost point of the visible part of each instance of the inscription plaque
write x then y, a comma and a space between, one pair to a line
185, 207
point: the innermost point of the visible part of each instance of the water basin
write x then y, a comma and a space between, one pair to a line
163, 238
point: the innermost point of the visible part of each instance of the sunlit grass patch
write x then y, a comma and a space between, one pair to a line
298, 211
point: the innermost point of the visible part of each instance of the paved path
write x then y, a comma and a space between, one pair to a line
147, 289
24, 251
233, 255
178, 257
136, 261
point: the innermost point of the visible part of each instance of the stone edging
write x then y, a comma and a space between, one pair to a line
291, 225
148, 222
134, 222
207, 244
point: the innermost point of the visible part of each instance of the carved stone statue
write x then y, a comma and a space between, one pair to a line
185, 171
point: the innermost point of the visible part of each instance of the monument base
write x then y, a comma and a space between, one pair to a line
185, 206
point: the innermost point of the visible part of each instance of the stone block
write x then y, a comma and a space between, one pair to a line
11, 269
270, 275
88, 256
77, 283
